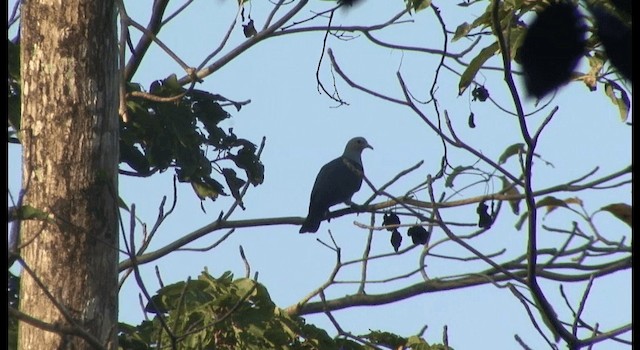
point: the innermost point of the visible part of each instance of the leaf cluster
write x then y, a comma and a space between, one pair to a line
178, 129
228, 313
550, 47
169, 127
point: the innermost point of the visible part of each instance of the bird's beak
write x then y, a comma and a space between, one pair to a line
368, 146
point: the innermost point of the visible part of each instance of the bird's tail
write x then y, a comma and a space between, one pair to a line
311, 223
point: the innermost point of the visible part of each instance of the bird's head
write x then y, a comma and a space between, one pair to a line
357, 145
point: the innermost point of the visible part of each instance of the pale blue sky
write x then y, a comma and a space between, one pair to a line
304, 131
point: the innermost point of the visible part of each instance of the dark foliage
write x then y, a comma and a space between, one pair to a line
183, 133
552, 47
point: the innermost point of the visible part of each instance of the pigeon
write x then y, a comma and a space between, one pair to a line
336, 183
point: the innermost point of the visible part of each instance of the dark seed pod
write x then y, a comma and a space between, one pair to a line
418, 234
484, 219
390, 218
396, 239
480, 93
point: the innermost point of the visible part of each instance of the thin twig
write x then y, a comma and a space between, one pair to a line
176, 12
247, 267
245, 45
365, 256
143, 289
223, 42
272, 14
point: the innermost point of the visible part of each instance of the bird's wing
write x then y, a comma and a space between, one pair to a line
336, 183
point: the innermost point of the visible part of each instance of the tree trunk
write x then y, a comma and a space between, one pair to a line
70, 137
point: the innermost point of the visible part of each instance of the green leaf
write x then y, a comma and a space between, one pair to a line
551, 203
456, 171
13, 58
13, 106
521, 220
621, 211
461, 31
474, 66
209, 188
244, 285
621, 102
387, 339
516, 148
122, 204
210, 313
484, 20
511, 190
171, 82
516, 38
27, 212
417, 343
418, 5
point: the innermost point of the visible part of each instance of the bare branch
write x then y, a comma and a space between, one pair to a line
202, 73
152, 29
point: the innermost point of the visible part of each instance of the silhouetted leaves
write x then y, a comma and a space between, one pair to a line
418, 234
390, 218
396, 240
613, 27
484, 219
178, 128
234, 183
552, 47
131, 155
247, 159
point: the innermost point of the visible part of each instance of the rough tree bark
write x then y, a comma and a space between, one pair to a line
70, 164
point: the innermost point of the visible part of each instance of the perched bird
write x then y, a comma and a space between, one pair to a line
336, 183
